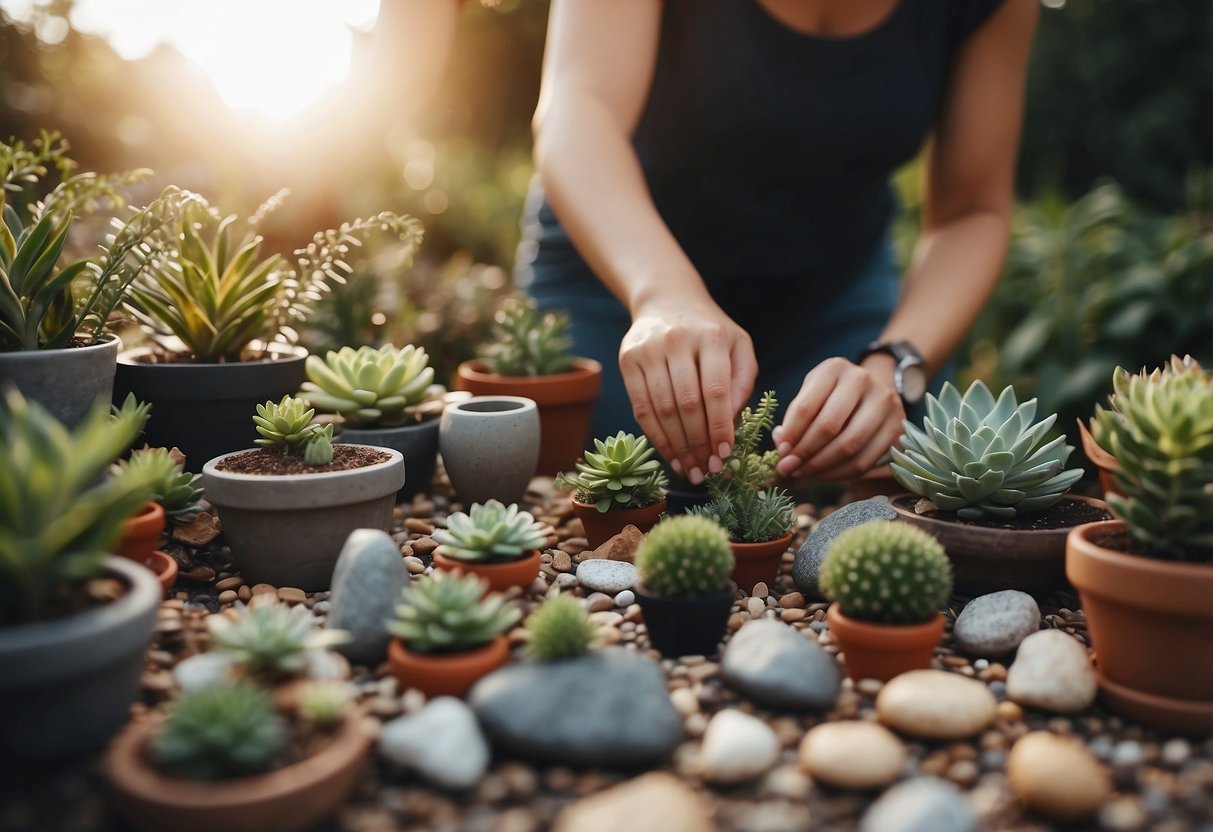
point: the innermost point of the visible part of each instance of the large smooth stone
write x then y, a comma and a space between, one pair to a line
935, 705
776, 666
924, 804
367, 584
1057, 777
1052, 672
994, 625
609, 576
808, 560
655, 802
609, 707
442, 742
737, 747
852, 755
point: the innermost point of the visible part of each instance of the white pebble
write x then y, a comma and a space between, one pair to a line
625, 598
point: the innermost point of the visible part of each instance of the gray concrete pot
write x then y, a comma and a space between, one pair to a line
418, 443
66, 382
289, 530
490, 447
67, 685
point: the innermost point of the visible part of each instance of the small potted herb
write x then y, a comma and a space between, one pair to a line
620, 485
684, 590
887, 581
496, 542
175, 500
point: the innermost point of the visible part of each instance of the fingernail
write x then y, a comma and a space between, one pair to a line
714, 464
677, 466
775, 434
788, 465
696, 476
784, 448
724, 449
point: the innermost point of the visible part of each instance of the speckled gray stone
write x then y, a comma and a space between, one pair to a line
776, 666
367, 582
609, 576
924, 804
1052, 672
442, 742
995, 624
808, 559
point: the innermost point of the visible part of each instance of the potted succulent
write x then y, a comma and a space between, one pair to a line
529, 357
684, 589
72, 619
385, 398
175, 500
288, 506
620, 485
757, 515
448, 633
887, 581
991, 489
1146, 578
496, 542
221, 316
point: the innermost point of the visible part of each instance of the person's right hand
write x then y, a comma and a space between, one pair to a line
688, 368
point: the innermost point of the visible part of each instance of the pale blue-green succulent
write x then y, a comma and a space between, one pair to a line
369, 387
489, 532
622, 474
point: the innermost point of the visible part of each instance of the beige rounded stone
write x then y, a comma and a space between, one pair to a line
655, 802
1057, 777
852, 755
935, 705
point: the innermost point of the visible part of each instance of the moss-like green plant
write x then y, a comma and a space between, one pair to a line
489, 532
446, 613
221, 732
324, 703
887, 572
175, 489
269, 640
527, 343
621, 475
369, 387
559, 629
685, 556
288, 425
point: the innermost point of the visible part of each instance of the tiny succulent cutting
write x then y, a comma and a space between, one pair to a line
887, 572
288, 426
621, 475
174, 488
559, 629
221, 732
685, 556
324, 703
983, 458
369, 387
271, 641
490, 532
446, 613
528, 343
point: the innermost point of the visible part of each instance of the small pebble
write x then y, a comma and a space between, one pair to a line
599, 602
1057, 777
292, 595
737, 747
852, 755
760, 590
791, 600
756, 607
228, 596
934, 704
625, 598
264, 589
414, 565
793, 615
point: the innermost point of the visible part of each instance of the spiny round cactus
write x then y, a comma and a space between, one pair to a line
622, 474
288, 425
887, 572
983, 458
685, 556
527, 343
489, 532
220, 732
446, 613
269, 640
369, 387
559, 629
174, 488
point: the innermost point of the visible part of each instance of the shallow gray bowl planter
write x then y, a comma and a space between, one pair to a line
66, 382
418, 443
490, 447
68, 684
287, 530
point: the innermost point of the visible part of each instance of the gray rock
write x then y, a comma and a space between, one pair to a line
442, 742
607, 708
924, 804
204, 670
778, 667
1052, 672
367, 582
609, 576
737, 747
808, 559
995, 624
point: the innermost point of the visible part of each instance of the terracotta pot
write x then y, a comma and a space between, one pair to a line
565, 400
1101, 459
141, 534
290, 798
450, 674
164, 568
686, 626
754, 562
986, 559
882, 651
501, 576
601, 526
1150, 622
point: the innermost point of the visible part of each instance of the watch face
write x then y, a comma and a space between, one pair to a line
913, 383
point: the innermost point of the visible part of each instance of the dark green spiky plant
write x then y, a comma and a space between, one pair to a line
221, 732
447, 613
174, 488
621, 475
528, 343
685, 556
559, 629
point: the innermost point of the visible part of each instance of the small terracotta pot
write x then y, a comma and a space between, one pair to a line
1101, 459
601, 526
882, 651
141, 533
754, 562
501, 576
290, 798
686, 626
164, 568
1150, 622
450, 674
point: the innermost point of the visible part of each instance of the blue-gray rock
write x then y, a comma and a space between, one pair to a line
776, 666
367, 582
607, 708
808, 559
994, 625
442, 742
924, 804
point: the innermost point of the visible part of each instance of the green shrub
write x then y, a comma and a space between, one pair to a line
489, 532
369, 387
221, 732
270, 640
527, 343
685, 556
621, 475
559, 629
446, 613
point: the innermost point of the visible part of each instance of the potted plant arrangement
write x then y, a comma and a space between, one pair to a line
757, 515
288, 506
449, 632
620, 485
991, 489
684, 589
385, 398
175, 499
529, 357
496, 542
1146, 578
72, 619
887, 581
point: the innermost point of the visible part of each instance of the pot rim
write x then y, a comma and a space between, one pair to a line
463, 659
617, 511
897, 503
106, 341
476, 369
522, 404
453, 563
640, 589
287, 491
279, 353
152, 514
747, 551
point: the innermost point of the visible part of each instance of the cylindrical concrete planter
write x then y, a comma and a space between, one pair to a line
288, 530
66, 382
490, 445
418, 443
68, 684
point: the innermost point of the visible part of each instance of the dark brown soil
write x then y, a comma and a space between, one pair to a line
266, 462
75, 598
1063, 514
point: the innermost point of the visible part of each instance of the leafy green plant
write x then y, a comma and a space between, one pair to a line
221, 732
174, 488
288, 425
887, 572
685, 556
621, 475
490, 532
445, 613
527, 343
324, 703
983, 458
559, 629
269, 640
369, 387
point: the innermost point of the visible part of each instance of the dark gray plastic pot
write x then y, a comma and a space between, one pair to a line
418, 443
66, 382
68, 684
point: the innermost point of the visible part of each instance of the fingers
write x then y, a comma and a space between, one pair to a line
745, 373
861, 463
715, 379
819, 412
871, 431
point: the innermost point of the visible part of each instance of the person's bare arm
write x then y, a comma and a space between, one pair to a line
846, 416
410, 45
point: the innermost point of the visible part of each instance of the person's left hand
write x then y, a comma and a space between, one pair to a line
843, 421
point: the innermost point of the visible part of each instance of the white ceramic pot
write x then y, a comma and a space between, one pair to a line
490, 447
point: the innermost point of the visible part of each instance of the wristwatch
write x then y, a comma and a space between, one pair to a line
910, 374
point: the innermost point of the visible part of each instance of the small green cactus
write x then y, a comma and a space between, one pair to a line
221, 732
270, 640
685, 556
489, 532
559, 629
175, 489
324, 702
527, 343
369, 387
621, 475
446, 613
887, 572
